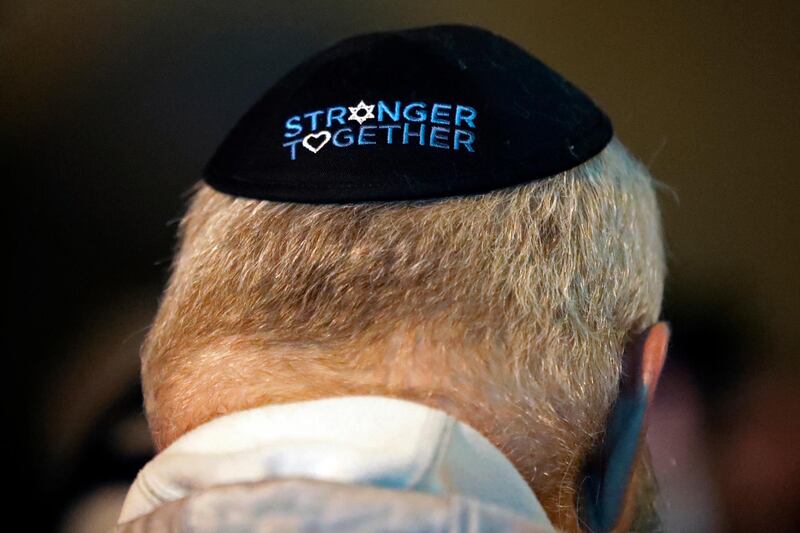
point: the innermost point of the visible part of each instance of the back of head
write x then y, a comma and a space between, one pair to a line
509, 309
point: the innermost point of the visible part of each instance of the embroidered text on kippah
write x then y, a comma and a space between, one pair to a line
433, 125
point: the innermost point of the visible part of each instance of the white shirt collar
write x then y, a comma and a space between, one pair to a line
368, 440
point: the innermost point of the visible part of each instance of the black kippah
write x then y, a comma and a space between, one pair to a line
407, 115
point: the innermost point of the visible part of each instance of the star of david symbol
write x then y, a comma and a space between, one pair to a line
355, 112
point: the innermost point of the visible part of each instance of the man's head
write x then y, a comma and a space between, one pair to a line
512, 310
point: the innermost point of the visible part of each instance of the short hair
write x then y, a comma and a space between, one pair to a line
531, 292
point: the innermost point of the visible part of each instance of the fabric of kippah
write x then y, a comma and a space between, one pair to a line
409, 115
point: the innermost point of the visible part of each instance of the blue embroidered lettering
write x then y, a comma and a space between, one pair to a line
440, 137
337, 114
464, 137
440, 114
389, 128
451, 126
364, 132
345, 133
384, 110
293, 124
313, 116
408, 134
467, 114
292, 145
419, 116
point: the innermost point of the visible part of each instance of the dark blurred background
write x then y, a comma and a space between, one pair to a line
109, 111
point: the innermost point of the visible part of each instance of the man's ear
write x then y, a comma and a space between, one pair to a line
607, 486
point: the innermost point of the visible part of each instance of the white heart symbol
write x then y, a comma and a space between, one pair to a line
326, 136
